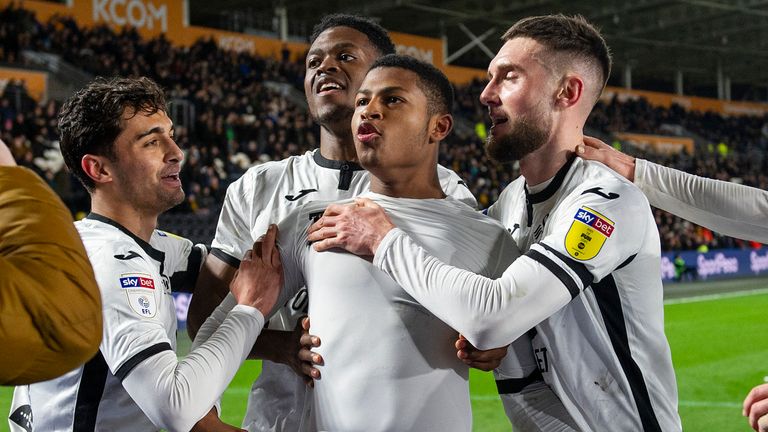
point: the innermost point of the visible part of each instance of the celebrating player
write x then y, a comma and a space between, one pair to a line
589, 280
732, 209
343, 47
409, 378
118, 140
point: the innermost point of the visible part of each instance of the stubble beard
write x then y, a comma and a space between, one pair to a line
152, 200
331, 119
525, 137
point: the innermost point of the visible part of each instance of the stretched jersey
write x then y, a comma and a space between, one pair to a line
729, 208
590, 283
408, 377
266, 194
605, 353
135, 279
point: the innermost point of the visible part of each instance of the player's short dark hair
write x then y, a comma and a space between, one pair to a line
372, 30
432, 81
91, 120
569, 34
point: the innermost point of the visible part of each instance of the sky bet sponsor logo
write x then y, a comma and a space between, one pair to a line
137, 281
603, 226
587, 234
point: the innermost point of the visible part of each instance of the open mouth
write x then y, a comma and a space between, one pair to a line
171, 178
367, 132
497, 120
328, 86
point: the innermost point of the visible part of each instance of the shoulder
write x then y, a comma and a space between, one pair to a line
507, 199
444, 173
171, 244
102, 241
267, 172
600, 183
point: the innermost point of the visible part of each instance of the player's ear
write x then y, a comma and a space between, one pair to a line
570, 91
441, 126
97, 168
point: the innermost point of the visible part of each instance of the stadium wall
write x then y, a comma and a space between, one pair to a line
35, 82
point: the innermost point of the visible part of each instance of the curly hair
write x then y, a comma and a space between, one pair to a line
92, 119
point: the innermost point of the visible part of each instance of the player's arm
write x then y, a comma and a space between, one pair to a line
211, 288
176, 394
50, 305
488, 312
212, 423
728, 208
292, 348
478, 307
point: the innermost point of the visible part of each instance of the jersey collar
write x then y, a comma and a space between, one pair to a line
547, 192
157, 255
335, 164
552, 187
346, 168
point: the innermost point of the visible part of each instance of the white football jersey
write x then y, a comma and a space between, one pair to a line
264, 195
389, 364
605, 353
139, 321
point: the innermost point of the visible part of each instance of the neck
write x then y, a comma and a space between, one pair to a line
543, 164
140, 223
337, 145
399, 184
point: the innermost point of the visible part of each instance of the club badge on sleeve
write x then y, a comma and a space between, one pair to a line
587, 234
140, 289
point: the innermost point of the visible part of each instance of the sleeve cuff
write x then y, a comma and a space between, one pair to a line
249, 311
640, 166
385, 243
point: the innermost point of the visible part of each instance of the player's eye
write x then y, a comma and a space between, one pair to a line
313, 63
150, 143
511, 76
346, 57
392, 100
361, 102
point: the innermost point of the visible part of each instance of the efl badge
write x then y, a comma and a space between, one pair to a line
139, 287
587, 234
142, 302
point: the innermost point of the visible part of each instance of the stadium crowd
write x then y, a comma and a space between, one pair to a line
238, 120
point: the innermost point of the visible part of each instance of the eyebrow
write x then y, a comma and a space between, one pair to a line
154, 130
338, 47
505, 66
385, 90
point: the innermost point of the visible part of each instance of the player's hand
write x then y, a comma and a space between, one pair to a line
357, 228
259, 279
756, 408
298, 352
212, 423
478, 359
307, 358
6, 158
594, 149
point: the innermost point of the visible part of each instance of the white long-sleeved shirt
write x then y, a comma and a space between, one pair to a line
266, 194
589, 281
728, 208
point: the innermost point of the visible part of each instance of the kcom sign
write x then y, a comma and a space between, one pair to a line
142, 14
